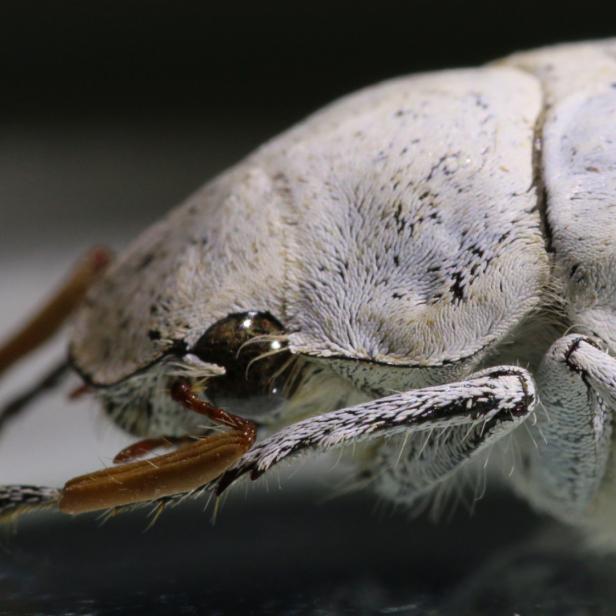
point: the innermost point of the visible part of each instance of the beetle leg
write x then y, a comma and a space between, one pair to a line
180, 471
563, 471
52, 315
44, 324
182, 392
141, 448
144, 481
16, 500
12, 408
409, 467
497, 395
503, 395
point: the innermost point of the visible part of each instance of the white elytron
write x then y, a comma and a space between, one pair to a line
425, 267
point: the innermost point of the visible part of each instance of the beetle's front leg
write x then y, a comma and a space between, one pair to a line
484, 407
563, 469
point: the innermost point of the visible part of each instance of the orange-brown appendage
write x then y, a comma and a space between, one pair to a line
183, 470
48, 320
182, 392
145, 446
180, 471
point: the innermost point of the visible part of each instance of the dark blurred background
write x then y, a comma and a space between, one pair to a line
112, 108
277, 58
164, 93
110, 113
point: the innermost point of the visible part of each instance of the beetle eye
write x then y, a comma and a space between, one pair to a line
257, 364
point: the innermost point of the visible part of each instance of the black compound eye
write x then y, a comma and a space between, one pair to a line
249, 345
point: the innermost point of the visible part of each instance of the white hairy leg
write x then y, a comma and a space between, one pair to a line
566, 465
480, 406
409, 467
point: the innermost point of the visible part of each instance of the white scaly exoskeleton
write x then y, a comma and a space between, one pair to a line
439, 250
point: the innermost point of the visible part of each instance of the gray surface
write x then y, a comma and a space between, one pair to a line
289, 555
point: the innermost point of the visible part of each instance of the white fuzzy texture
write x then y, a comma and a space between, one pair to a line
411, 211
405, 236
399, 225
579, 172
504, 393
579, 166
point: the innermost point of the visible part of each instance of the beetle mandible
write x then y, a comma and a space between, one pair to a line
425, 270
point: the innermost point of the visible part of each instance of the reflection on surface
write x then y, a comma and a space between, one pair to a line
286, 553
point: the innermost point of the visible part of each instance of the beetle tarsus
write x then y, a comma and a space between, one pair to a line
16, 500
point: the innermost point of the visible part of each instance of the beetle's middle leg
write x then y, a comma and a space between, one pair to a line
46, 322
564, 469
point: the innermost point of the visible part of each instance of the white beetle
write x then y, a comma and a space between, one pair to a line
419, 269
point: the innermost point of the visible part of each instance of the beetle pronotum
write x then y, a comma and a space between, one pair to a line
418, 270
